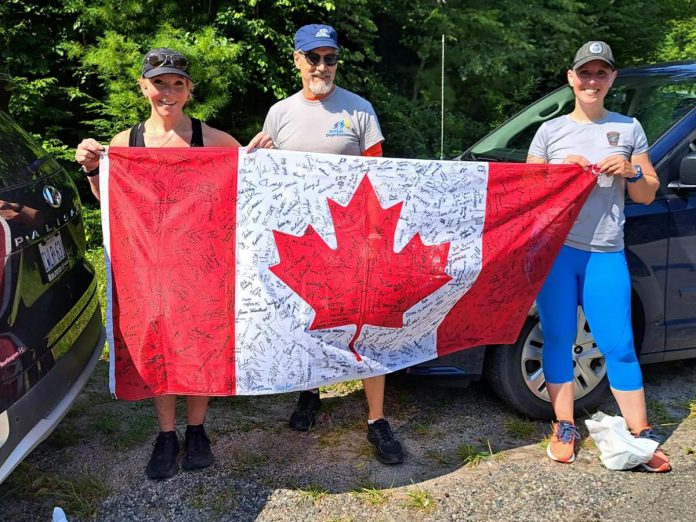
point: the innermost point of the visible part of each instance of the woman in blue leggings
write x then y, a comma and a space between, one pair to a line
591, 269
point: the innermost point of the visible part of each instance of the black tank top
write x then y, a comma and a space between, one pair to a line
137, 139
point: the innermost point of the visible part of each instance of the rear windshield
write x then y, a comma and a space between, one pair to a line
21, 159
658, 102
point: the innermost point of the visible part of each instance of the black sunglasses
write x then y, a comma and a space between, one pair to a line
314, 59
175, 60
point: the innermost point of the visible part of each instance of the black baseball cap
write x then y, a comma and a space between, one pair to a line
594, 50
164, 61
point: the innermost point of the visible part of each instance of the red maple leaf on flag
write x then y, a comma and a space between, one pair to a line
363, 281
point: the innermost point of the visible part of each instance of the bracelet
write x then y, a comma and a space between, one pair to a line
639, 174
91, 173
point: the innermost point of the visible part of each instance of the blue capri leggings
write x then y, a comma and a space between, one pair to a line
599, 282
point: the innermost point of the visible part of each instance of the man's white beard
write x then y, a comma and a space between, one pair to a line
320, 87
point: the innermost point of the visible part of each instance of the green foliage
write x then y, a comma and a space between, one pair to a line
680, 41
96, 259
76, 63
91, 218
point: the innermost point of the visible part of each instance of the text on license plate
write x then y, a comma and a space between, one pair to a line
52, 255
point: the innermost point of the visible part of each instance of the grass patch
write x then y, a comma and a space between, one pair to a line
134, 430
220, 503
422, 429
419, 499
425, 424
365, 450
107, 424
224, 502
198, 499
520, 428
338, 434
78, 495
660, 414
245, 461
312, 493
691, 405
471, 456
342, 388
236, 426
588, 443
544, 443
65, 435
401, 402
371, 494
240, 406
437, 456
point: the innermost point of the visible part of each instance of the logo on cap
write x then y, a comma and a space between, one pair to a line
323, 33
596, 48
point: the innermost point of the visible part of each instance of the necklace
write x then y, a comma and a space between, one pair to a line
170, 135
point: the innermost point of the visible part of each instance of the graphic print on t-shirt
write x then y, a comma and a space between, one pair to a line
613, 138
339, 128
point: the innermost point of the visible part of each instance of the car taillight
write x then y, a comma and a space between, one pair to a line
10, 354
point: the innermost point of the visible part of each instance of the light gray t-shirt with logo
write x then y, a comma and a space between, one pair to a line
599, 226
341, 123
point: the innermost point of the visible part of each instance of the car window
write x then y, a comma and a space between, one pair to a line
21, 160
659, 105
657, 101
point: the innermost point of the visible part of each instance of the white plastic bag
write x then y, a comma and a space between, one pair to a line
618, 448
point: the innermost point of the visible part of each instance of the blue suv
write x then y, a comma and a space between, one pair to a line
660, 244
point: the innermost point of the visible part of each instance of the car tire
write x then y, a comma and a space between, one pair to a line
515, 375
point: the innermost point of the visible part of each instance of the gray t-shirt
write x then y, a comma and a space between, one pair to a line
341, 123
599, 226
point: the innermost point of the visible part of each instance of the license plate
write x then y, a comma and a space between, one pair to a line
53, 256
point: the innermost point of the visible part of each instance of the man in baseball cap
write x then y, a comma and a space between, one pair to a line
594, 50
325, 118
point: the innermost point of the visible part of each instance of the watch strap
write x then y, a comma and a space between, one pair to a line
639, 174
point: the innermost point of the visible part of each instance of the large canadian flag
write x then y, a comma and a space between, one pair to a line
251, 273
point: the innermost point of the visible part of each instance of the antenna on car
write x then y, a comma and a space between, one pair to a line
442, 102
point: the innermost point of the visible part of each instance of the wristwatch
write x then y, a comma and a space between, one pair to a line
90, 173
639, 174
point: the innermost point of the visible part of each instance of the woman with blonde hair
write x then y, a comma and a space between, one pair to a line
167, 86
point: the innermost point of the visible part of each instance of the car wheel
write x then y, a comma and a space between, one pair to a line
516, 376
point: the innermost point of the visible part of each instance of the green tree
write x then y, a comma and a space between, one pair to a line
75, 63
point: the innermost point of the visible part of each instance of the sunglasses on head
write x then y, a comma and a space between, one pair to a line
315, 59
161, 59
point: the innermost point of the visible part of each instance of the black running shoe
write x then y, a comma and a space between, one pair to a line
163, 460
306, 411
197, 454
387, 448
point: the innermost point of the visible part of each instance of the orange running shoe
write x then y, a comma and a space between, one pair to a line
561, 447
659, 463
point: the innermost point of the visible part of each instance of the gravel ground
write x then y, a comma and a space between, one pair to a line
92, 466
